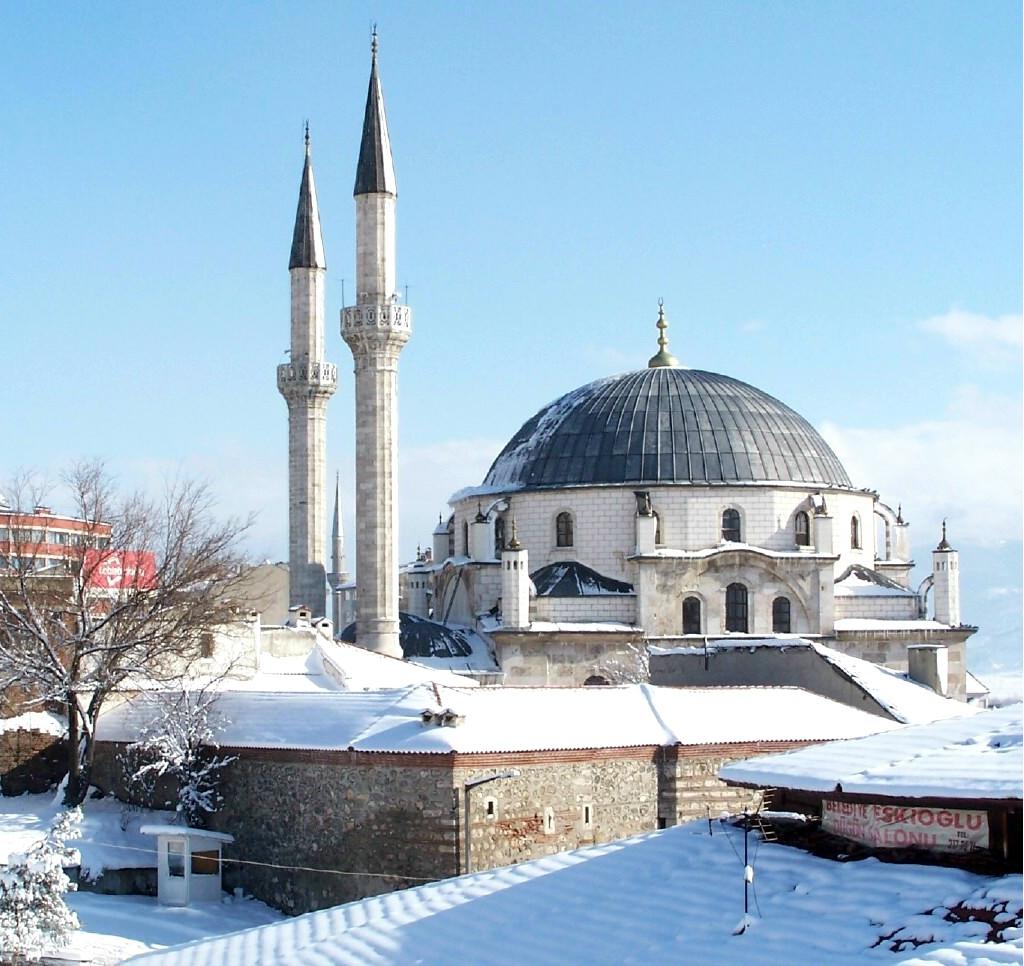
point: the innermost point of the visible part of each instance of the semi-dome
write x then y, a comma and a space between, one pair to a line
665, 425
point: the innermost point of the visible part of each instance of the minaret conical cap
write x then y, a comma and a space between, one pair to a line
307, 239
375, 172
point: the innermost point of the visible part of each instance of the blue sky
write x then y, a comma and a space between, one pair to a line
827, 196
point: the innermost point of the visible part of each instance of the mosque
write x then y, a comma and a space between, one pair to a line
665, 507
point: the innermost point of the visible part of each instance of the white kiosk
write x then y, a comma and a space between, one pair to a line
188, 863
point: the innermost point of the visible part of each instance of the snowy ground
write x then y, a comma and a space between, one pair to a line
116, 927
674, 896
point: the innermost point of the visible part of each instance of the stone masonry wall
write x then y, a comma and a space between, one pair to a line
690, 787
559, 801
316, 829
882, 607
30, 761
390, 821
618, 608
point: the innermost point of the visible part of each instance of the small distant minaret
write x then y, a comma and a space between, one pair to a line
338, 576
376, 328
515, 583
946, 582
307, 382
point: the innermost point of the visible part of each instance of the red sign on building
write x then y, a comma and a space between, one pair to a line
120, 569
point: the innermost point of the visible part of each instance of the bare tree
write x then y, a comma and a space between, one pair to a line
139, 585
180, 744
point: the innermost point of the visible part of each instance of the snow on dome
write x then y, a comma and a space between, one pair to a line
665, 425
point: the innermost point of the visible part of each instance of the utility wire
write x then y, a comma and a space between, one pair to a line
273, 865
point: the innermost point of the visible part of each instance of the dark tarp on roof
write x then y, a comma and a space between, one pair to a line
568, 578
420, 637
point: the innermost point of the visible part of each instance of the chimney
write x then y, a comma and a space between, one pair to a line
928, 664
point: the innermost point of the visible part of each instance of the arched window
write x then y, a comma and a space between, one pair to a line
731, 526
465, 537
657, 530
563, 529
691, 615
781, 609
596, 681
855, 532
736, 608
802, 526
499, 536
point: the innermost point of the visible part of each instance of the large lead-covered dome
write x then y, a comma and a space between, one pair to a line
665, 425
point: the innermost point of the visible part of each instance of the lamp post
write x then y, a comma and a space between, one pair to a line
466, 789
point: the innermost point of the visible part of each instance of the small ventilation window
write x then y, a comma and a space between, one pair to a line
549, 821
588, 816
855, 533
563, 529
736, 608
802, 526
781, 610
731, 532
491, 808
691, 615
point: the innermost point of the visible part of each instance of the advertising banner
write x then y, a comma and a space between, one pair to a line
899, 826
120, 569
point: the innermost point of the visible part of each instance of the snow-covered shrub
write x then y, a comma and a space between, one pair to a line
34, 917
180, 745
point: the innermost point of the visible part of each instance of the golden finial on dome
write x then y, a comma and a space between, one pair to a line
664, 357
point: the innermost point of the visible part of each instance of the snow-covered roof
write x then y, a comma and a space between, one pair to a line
977, 757
877, 624
514, 719
357, 669
673, 896
44, 721
907, 701
976, 688
731, 546
860, 581
188, 833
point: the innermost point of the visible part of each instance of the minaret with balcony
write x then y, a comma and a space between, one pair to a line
307, 381
376, 328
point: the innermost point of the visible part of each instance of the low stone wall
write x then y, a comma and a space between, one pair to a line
318, 828
374, 823
31, 761
558, 801
691, 789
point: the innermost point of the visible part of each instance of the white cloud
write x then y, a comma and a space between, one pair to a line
965, 466
989, 339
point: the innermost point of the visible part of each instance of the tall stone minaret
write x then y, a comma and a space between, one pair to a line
338, 576
376, 328
307, 382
